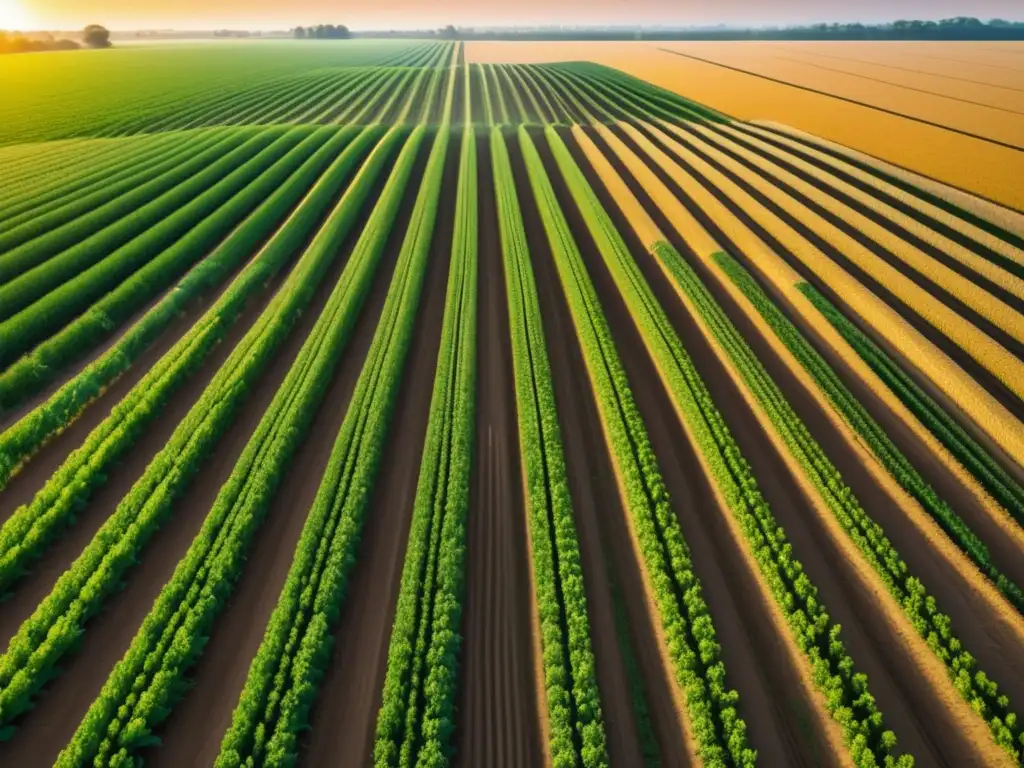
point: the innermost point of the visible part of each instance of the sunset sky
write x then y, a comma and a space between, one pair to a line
405, 14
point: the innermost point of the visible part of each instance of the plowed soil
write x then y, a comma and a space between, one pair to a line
778, 719
345, 714
499, 722
46, 729
924, 726
220, 675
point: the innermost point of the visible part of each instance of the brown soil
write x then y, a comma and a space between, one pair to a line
924, 725
499, 721
193, 733
24, 485
772, 701
45, 730
600, 519
345, 715
58, 557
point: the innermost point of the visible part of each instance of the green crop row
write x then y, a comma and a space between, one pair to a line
864, 532
417, 715
37, 369
573, 699
144, 685
109, 226
719, 731
857, 417
86, 161
285, 673
974, 458
58, 620
67, 285
116, 302
42, 219
87, 188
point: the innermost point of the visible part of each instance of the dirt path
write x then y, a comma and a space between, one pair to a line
59, 711
781, 726
599, 517
345, 714
498, 721
193, 733
922, 723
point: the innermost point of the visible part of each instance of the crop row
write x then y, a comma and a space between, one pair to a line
976, 688
224, 229
967, 451
78, 594
56, 292
719, 732
144, 685
285, 674
875, 437
416, 718
845, 691
76, 190
981, 692
32, 526
743, 189
312, 184
93, 233
570, 680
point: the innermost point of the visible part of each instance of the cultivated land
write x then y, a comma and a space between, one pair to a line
415, 403
921, 106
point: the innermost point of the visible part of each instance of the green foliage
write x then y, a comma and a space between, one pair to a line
417, 715
68, 284
570, 679
967, 451
285, 673
58, 620
857, 417
864, 532
34, 371
718, 730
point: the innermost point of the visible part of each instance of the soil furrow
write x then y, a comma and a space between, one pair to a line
772, 703
60, 709
498, 717
922, 722
344, 715
222, 670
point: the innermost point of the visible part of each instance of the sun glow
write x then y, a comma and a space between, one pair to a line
14, 16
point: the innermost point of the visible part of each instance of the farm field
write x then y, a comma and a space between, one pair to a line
428, 403
965, 99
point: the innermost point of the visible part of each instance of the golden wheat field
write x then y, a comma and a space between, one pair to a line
993, 171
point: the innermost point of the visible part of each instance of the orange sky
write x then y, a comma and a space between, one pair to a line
404, 14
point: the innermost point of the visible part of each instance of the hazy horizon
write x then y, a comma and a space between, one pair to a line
125, 15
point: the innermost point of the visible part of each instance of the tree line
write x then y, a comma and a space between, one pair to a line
93, 36
322, 32
958, 28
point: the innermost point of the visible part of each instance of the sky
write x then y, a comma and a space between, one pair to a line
412, 14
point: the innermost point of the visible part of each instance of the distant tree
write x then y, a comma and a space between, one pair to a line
343, 32
96, 36
300, 33
449, 32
